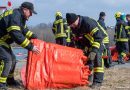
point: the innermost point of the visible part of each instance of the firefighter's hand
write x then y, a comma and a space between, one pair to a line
36, 50
91, 56
34, 36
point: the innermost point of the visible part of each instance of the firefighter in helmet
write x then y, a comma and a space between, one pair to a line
121, 37
59, 29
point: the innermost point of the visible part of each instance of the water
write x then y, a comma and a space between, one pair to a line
20, 53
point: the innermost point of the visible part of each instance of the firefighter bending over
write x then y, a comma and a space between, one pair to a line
13, 29
87, 29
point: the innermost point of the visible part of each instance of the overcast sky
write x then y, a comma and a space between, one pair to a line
46, 8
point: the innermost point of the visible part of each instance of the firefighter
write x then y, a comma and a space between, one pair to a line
91, 38
59, 29
107, 52
69, 35
13, 29
128, 29
101, 19
121, 35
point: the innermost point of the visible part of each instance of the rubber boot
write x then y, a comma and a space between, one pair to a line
120, 60
96, 85
13, 82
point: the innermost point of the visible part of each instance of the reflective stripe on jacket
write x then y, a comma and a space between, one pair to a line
12, 23
59, 27
121, 33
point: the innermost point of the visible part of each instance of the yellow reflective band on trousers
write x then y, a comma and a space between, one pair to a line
58, 21
3, 79
127, 27
1, 66
25, 43
29, 34
13, 28
68, 40
5, 37
94, 31
11, 75
123, 54
100, 69
4, 44
129, 32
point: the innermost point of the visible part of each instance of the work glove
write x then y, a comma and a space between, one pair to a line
36, 50
91, 56
34, 36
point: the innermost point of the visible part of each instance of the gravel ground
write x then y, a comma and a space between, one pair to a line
116, 78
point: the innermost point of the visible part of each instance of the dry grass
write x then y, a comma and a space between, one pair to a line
116, 78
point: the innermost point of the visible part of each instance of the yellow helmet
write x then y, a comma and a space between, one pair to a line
117, 14
58, 14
